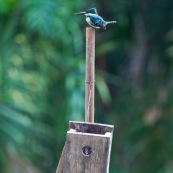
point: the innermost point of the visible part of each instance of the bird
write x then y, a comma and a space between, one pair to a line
94, 20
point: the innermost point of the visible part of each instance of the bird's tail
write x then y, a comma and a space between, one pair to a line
111, 22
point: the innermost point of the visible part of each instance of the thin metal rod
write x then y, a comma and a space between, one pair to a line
90, 75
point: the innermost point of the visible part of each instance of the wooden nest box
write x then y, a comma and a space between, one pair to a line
87, 148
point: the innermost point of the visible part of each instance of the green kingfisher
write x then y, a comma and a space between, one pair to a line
94, 20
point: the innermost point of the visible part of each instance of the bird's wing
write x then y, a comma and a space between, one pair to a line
97, 20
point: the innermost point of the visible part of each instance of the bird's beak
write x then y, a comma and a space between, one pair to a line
81, 13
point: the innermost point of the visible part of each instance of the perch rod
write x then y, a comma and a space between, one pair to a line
90, 75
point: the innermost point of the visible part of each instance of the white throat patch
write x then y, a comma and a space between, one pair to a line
88, 19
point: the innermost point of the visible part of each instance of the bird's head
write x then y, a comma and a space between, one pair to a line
89, 11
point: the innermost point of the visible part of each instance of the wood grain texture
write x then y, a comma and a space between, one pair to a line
75, 161
90, 75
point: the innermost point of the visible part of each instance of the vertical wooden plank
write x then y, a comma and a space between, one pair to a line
94, 160
90, 75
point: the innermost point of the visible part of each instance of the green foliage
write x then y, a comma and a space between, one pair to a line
41, 64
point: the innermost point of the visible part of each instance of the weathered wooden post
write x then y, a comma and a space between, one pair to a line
88, 144
90, 75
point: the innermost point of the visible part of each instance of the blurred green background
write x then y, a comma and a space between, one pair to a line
42, 82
